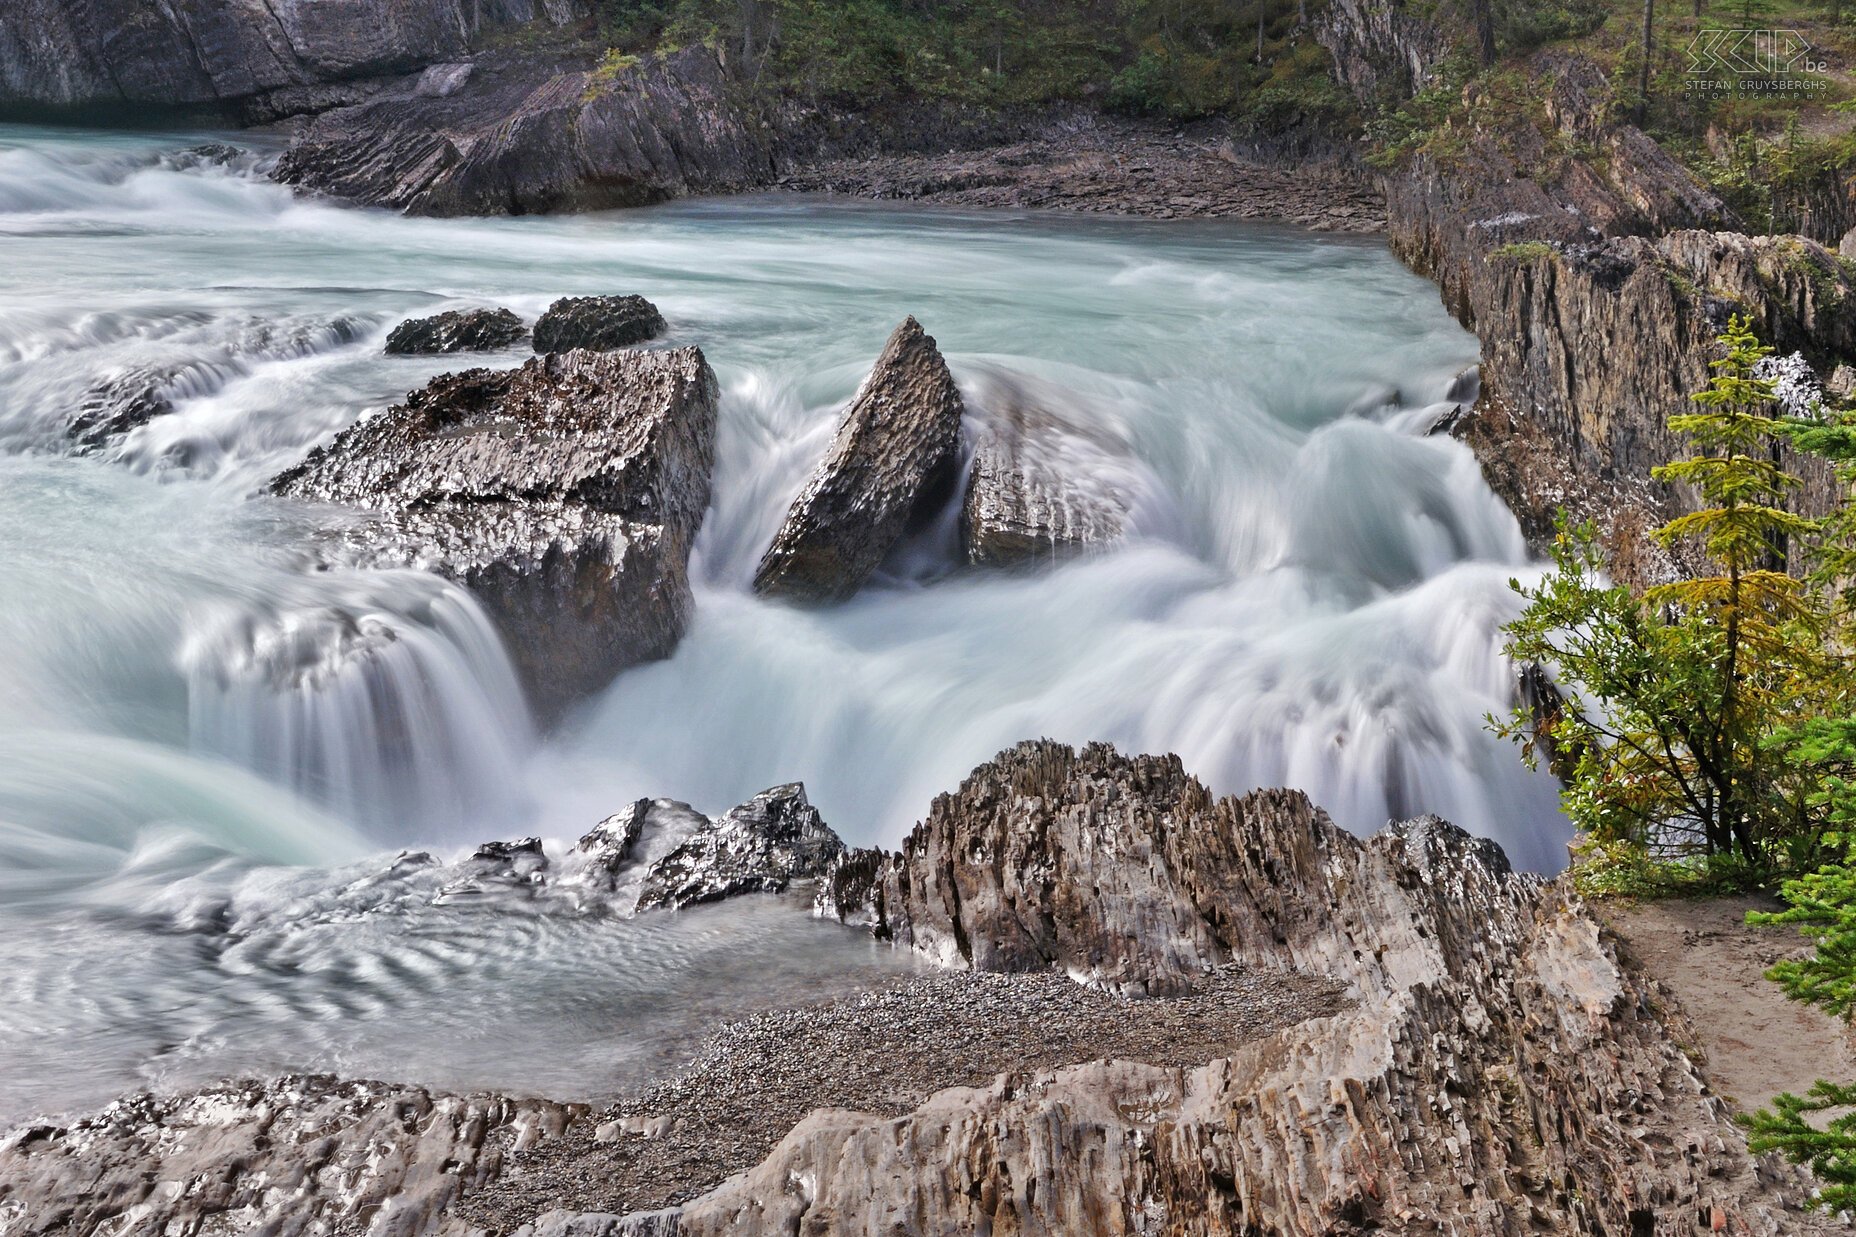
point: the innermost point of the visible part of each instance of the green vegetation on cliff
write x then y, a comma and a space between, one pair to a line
1255, 60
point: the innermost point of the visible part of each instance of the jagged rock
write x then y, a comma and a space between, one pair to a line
601, 323
895, 454
764, 845
660, 854
1494, 1070
526, 134
1500, 1071
89, 53
1040, 488
457, 330
564, 494
295, 1156
113, 408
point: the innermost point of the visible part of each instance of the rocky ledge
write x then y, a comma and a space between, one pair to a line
1396, 1034
564, 494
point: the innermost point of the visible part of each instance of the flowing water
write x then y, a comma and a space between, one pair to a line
205, 747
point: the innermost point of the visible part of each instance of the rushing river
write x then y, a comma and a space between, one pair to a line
191, 769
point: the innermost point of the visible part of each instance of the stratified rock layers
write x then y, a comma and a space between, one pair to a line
896, 450
564, 494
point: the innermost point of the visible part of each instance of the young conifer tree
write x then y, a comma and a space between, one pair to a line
1672, 696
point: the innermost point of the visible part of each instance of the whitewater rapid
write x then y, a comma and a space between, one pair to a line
191, 719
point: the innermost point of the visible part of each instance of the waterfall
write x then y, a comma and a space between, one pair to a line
385, 696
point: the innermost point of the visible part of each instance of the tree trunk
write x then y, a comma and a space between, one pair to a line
1485, 32
1649, 48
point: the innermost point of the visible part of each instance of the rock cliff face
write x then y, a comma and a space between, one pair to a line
524, 135
896, 452
565, 495
1596, 272
99, 53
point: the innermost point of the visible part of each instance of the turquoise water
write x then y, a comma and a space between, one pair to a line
1309, 596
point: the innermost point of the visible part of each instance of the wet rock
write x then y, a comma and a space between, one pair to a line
113, 408
660, 854
1040, 488
773, 839
601, 323
564, 494
894, 456
456, 330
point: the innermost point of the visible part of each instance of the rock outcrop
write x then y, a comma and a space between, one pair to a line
525, 135
895, 455
1040, 489
1490, 1069
292, 1157
456, 330
599, 323
564, 494
1501, 1072
661, 854
104, 53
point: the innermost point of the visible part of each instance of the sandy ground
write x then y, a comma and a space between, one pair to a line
1756, 1042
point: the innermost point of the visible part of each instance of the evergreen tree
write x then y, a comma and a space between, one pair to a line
1672, 697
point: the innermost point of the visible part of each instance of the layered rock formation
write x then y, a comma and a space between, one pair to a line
601, 323
894, 457
1495, 1070
1595, 270
457, 330
98, 53
291, 1158
523, 135
564, 494
1501, 1072
1040, 489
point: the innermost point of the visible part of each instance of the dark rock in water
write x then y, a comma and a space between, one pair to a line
111, 409
533, 134
660, 854
895, 454
564, 494
601, 323
456, 330
764, 845
1040, 489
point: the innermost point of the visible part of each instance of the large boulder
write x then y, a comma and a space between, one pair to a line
564, 494
895, 455
602, 323
1041, 488
456, 330
529, 134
